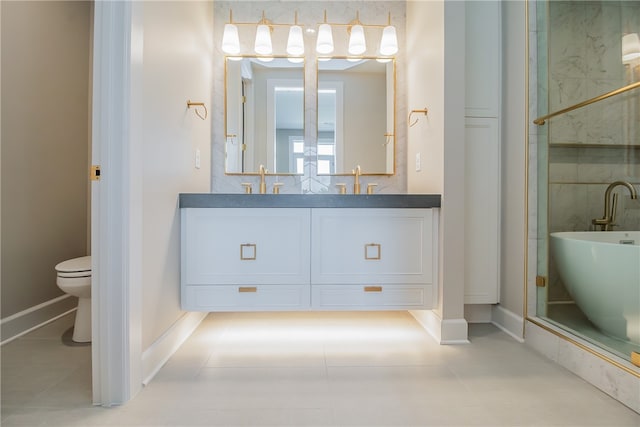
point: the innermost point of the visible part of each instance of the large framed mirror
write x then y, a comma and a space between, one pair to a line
264, 115
356, 116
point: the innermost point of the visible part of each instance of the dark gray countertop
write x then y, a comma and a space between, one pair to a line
217, 200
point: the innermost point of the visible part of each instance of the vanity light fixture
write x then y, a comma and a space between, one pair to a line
295, 42
357, 42
389, 41
324, 43
262, 45
230, 39
630, 48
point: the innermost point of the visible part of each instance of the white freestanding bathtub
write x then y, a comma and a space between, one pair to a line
601, 271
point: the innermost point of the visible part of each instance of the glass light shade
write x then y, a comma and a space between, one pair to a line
295, 43
630, 47
324, 45
230, 40
262, 45
295, 59
389, 41
357, 43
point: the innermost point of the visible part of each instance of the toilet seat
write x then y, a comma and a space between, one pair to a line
76, 267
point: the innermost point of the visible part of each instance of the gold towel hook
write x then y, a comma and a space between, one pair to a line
198, 104
424, 111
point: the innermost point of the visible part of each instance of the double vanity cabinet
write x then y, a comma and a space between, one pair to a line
308, 252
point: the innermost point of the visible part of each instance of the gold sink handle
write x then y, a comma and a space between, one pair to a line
247, 187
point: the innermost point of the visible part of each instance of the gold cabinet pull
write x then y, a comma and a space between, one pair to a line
248, 251
373, 288
372, 251
246, 289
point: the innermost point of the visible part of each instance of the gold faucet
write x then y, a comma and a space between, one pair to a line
356, 183
263, 183
609, 216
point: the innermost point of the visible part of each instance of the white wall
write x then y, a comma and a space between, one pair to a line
452, 220
435, 68
425, 74
45, 116
514, 129
176, 63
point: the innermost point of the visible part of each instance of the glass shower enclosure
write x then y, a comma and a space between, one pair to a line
588, 71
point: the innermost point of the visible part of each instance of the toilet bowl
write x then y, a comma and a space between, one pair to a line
74, 278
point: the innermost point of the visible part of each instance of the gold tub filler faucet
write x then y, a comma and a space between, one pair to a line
610, 205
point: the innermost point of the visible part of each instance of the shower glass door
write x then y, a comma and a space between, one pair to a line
581, 152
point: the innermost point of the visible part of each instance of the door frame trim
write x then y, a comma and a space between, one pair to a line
116, 203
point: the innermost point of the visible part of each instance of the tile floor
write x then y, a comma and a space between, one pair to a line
311, 369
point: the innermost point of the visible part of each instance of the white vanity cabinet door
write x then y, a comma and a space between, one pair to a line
233, 246
372, 246
372, 259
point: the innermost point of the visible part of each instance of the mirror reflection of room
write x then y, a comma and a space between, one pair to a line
355, 116
264, 116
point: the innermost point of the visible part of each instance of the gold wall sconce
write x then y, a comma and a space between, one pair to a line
195, 105
424, 111
388, 138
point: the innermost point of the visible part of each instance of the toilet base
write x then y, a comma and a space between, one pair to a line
82, 325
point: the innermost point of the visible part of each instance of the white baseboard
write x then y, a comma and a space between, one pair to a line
447, 331
508, 322
154, 357
25, 321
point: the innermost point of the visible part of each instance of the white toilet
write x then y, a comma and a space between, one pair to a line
74, 278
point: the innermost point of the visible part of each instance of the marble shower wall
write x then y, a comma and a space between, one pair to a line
310, 13
593, 146
598, 144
